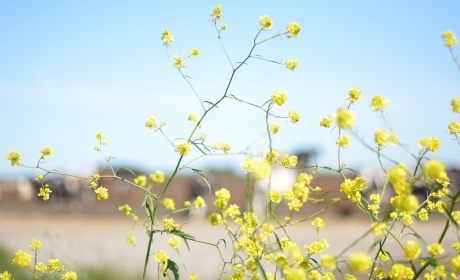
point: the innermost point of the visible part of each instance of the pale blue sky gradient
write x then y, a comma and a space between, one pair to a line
69, 69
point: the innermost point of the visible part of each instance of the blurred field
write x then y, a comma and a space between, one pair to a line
96, 244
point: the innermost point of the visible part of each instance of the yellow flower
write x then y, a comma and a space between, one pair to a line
291, 64
35, 245
279, 97
383, 256
379, 103
269, 257
344, 141
217, 13
434, 168
380, 273
14, 157
405, 204
40, 267
178, 61
281, 260
274, 127
289, 160
449, 39
215, 219
455, 263
435, 249
439, 271
5, 276
295, 117
412, 250
432, 144
397, 272
45, 192
266, 22
381, 137
130, 239
39, 177
294, 29
170, 225
102, 193
393, 139
169, 204
222, 146
350, 277
345, 118
423, 214
46, 152
183, 148
258, 169
167, 37
161, 257
126, 209
456, 105
353, 189
328, 261
272, 156
141, 180
199, 202
275, 196
54, 265
379, 228
223, 26
194, 52
375, 197
318, 222
326, 122
454, 128
158, 177
194, 118
397, 176
355, 95
456, 247
152, 123
233, 211
99, 137
360, 262
174, 242
69, 276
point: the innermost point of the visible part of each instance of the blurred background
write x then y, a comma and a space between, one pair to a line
72, 69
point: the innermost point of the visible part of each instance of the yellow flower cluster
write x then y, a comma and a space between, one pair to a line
174, 242
199, 202
359, 262
449, 39
45, 192
125, 209
397, 176
275, 196
158, 177
258, 169
232, 211
222, 198
217, 13
412, 250
69, 276
170, 225
295, 117
291, 64
289, 160
194, 52
167, 37
14, 157
22, 259
317, 247
353, 188
47, 152
318, 222
456, 105
431, 144
379, 103
326, 122
55, 265
274, 127
168, 203
399, 271
183, 148
161, 257
35, 245
293, 29
355, 95
266, 22
178, 61
454, 128
102, 193
381, 137
152, 123
130, 239
345, 118
141, 180
224, 146
279, 97
344, 141
297, 196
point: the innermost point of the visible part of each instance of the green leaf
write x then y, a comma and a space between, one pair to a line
225, 243
207, 149
341, 273
449, 217
126, 170
389, 255
186, 243
146, 205
421, 241
261, 269
210, 103
174, 268
277, 240
179, 233
199, 172
198, 148
354, 171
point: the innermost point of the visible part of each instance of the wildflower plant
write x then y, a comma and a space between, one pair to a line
258, 238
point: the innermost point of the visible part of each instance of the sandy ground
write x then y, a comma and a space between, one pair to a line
100, 240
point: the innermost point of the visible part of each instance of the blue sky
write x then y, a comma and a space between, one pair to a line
70, 69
